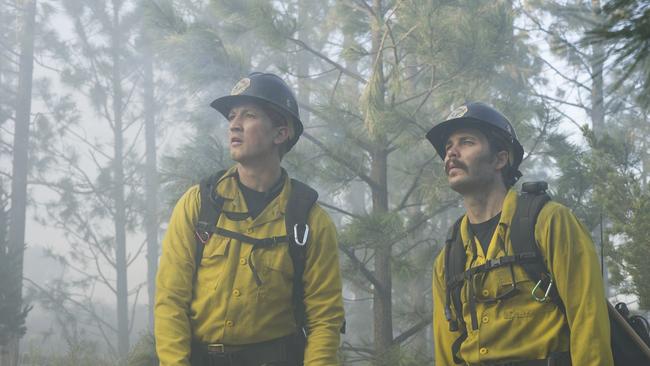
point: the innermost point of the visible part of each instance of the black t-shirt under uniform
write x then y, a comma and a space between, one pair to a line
483, 231
257, 201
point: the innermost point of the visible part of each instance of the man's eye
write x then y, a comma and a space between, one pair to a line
231, 117
251, 115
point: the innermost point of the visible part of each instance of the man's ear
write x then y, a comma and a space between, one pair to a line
502, 159
281, 135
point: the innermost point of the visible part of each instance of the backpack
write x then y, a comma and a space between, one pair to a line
301, 200
628, 346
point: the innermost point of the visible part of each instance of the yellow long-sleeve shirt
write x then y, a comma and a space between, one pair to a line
520, 328
226, 305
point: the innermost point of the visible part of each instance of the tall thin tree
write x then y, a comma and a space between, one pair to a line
20, 161
151, 179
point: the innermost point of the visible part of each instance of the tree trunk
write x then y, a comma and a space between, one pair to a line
118, 194
151, 182
382, 297
302, 65
10, 356
597, 62
598, 112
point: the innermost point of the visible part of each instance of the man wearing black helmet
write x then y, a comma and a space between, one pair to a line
239, 286
487, 310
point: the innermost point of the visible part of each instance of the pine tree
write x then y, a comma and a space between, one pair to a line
20, 167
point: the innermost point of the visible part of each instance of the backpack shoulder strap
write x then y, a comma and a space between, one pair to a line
301, 199
522, 230
455, 259
209, 213
522, 235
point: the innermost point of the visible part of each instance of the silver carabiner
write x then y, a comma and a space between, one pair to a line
548, 290
304, 236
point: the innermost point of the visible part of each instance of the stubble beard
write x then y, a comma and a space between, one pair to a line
474, 180
465, 185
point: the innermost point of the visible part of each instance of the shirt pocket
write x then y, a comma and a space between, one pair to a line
521, 305
277, 272
213, 262
277, 262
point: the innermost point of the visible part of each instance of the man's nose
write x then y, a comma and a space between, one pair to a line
234, 124
451, 151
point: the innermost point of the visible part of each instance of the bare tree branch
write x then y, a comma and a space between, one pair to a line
538, 139
338, 209
564, 102
563, 76
362, 267
416, 328
336, 85
414, 184
47, 293
416, 225
347, 346
341, 161
571, 119
362, 144
361, 6
135, 303
340, 67
565, 41
137, 253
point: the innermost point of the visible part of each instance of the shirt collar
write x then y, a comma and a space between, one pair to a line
228, 188
273, 191
507, 213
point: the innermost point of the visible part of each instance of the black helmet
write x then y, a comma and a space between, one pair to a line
264, 87
480, 116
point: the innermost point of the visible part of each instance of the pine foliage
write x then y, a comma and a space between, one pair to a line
626, 28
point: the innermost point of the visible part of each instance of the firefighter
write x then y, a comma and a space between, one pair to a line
498, 315
233, 304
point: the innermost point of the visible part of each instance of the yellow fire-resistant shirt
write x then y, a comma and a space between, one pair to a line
520, 328
226, 305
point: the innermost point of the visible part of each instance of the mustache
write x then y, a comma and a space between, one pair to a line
456, 163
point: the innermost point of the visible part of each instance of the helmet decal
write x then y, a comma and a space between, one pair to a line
241, 86
458, 112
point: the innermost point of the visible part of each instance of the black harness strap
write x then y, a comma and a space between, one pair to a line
522, 235
300, 202
455, 259
266, 242
256, 243
209, 212
491, 264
